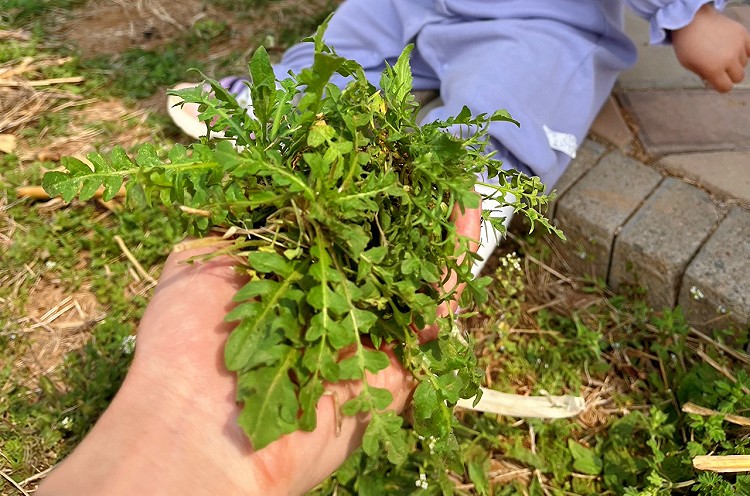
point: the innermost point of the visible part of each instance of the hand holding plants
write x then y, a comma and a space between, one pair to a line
172, 429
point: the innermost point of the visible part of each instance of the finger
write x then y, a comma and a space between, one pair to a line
334, 437
747, 44
721, 82
193, 251
468, 224
192, 286
736, 73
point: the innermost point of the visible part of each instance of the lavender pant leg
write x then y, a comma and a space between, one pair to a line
372, 32
551, 77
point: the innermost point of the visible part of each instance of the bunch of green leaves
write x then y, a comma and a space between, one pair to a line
342, 210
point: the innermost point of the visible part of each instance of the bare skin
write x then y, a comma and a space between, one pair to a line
714, 47
172, 428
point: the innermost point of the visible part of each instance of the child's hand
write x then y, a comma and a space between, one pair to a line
714, 47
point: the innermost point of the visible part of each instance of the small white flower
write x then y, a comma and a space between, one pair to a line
127, 345
422, 482
696, 293
431, 445
66, 422
50, 264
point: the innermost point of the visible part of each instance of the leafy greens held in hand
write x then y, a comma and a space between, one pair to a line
341, 205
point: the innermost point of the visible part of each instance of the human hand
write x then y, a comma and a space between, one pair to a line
172, 428
714, 47
468, 224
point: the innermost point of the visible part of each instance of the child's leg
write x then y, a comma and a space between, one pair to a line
551, 77
372, 32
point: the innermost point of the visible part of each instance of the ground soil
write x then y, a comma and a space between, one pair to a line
115, 26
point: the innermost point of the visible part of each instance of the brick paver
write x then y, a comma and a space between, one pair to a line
591, 212
627, 223
726, 174
587, 156
690, 120
611, 126
716, 287
655, 246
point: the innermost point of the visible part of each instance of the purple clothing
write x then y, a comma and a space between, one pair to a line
550, 63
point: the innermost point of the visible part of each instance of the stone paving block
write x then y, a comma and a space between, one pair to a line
587, 155
726, 174
611, 126
656, 244
715, 290
690, 120
594, 209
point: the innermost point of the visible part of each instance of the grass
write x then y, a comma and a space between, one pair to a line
636, 367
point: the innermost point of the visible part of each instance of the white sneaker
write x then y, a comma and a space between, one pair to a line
490, 237
185, 115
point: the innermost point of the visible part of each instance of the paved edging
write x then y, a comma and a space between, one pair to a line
630, 226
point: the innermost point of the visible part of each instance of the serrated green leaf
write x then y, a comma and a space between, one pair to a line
57, 183
351, 369
321, 324
362, 320
375, 360
355, 406
261, 69
319, 167
270, 263
478, 476
424, 400
269, 400
320, 132
255, 288
584, 459
344, 334
76, 167
381, 398
385, 430
322, 297
321, 358
147, 158
309, 395
410, 264
257, 321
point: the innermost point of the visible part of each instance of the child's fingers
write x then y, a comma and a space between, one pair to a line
736, 73
721, 82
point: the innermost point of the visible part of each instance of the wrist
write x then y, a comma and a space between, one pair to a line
704, 12
146, 440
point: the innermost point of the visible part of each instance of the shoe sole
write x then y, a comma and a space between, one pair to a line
187, 122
